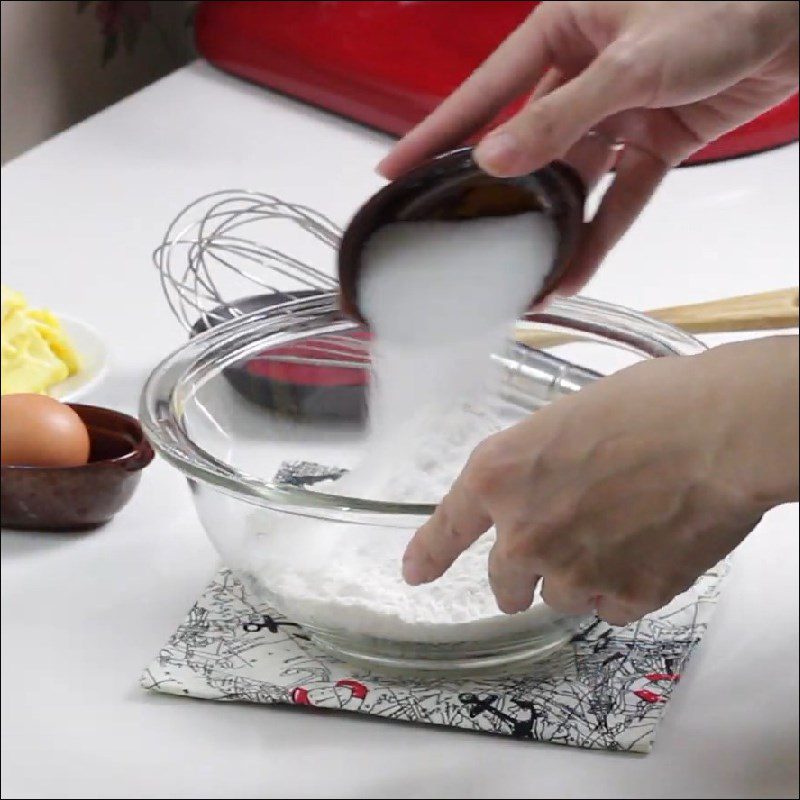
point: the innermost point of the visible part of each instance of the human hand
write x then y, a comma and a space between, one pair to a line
664, 78
620, 496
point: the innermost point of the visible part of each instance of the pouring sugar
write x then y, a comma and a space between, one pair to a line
437, 283
440, 297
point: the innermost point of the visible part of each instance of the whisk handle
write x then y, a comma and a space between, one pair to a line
752, 312
776, 310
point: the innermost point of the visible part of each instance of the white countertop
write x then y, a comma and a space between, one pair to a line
82, 615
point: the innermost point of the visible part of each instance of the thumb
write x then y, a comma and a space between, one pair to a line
549, 126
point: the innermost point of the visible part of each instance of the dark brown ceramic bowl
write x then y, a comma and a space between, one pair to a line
79, 498
453, 187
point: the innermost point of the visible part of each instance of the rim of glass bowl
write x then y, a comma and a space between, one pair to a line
177, 379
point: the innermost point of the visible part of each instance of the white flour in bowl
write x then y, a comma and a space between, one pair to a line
440, 296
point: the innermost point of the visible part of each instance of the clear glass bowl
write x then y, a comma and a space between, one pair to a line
234, 453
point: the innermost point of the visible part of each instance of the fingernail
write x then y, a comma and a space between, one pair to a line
498, 153
513, 604
414, 572
380, 169
508, 606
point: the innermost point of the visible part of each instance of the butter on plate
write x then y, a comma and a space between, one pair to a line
36, 353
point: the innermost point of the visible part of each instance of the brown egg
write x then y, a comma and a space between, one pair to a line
38, 431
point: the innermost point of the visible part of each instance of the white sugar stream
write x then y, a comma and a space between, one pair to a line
440, 297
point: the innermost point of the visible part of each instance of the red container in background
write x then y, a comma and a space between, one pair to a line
388, 64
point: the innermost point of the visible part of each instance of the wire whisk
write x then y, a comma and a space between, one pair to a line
210, 250
215, 263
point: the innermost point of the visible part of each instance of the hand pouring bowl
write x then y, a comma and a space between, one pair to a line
452, 187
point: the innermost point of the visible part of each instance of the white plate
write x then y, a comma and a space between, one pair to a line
94, 361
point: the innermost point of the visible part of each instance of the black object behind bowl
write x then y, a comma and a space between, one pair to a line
309, 398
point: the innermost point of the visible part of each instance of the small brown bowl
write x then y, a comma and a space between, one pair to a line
453, 187
79, 498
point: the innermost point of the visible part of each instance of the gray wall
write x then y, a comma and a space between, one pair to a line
51, 65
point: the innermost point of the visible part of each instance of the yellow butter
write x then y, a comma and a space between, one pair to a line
50, 330
9, 301
36, 353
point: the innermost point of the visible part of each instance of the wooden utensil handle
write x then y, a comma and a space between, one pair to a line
753, 312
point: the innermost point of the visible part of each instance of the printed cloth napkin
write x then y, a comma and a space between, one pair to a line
606, 689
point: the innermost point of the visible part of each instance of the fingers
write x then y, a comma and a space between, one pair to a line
592, 157
457, 522
638, 174
510, 71
617, 612
574, 598
595, 153
514, 585
567, 596
549, 125
512, 577
553, 78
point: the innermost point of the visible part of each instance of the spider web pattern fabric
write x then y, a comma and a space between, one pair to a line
606, 689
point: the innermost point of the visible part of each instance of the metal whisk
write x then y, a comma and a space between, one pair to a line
208, 238
215, 253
